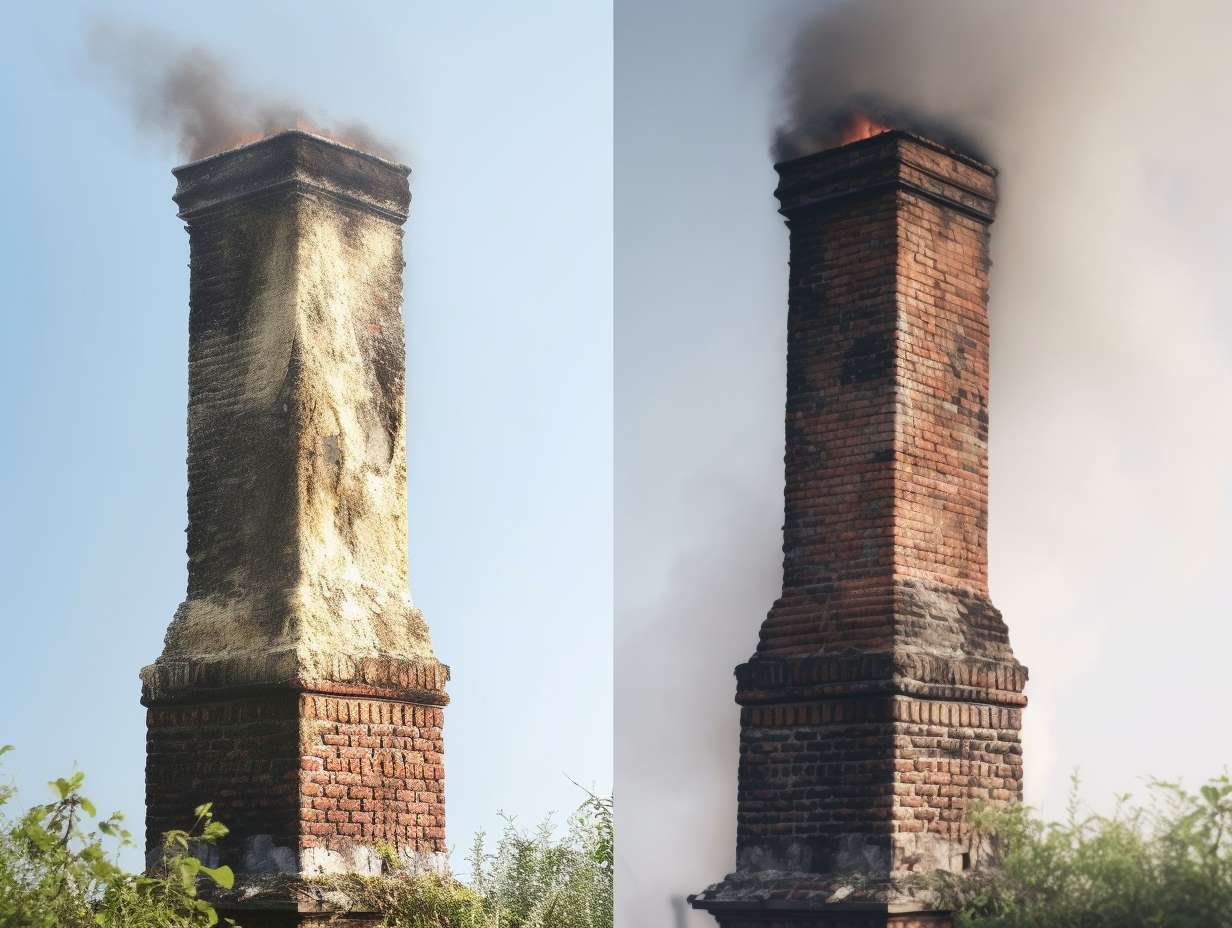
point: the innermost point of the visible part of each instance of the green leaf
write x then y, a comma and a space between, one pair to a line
223, 875
88, 806
176, 838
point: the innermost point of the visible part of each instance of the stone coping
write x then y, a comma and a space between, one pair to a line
768, 680
295, 160
172, 680
894, 160
798, 891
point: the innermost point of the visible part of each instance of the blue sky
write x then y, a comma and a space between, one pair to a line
505, 115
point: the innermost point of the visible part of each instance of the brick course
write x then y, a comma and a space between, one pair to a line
240, 754
371, 770
890, 767
883, 697
321, 776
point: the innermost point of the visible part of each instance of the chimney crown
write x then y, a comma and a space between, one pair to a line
890, 160
299, 160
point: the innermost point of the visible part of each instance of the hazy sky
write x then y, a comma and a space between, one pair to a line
1112, 364
504, 114
1111, 447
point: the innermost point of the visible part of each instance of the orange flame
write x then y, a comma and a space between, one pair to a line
860, 125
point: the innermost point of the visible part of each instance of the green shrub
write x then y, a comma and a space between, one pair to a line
528, 881
407, 900
56, 874
533, 881
1167, 862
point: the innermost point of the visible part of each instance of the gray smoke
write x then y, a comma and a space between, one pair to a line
191, 95
971, 73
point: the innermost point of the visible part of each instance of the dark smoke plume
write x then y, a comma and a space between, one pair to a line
825, 123
191, 95
949, 71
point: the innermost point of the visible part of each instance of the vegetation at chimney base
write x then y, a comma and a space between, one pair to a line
530, 880
54, 873
57, 870
1165, 862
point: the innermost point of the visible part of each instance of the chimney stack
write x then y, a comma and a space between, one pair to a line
298, 690
883, 698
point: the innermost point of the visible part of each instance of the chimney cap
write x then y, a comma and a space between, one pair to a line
294, 159
882, 138
896, 159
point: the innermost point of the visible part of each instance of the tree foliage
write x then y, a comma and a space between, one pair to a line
533, 881
56, 871
528, 880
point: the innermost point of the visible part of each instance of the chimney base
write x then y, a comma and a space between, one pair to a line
295, 901
310, 783
288, 911
266, 918
776, 913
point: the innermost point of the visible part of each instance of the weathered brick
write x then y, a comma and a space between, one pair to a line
883, 695
268, 778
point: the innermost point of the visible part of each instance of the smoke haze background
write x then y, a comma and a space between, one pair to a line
1111, 451
189, 93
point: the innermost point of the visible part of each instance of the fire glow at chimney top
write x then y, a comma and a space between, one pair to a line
858, 125
883, 697
298, 690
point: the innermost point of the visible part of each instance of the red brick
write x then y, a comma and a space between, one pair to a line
268, 766
883, 695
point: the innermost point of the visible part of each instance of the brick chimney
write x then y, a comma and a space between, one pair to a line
298, 690
883, 697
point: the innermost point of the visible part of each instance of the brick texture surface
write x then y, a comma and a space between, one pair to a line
883, 697
240, 754
886, 491
814, 772
371, 771
307, 770
297, 689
